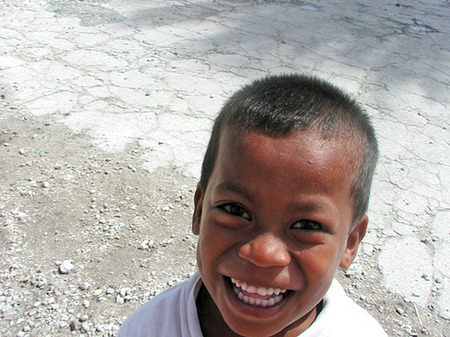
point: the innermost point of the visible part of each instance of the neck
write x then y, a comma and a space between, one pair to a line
211, 321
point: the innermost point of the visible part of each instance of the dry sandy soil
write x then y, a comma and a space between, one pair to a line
122, 234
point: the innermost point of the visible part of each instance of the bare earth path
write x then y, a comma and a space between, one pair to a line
105, 110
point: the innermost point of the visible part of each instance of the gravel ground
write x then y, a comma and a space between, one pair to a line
87, 236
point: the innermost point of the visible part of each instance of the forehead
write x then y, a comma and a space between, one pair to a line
303, 155
304, 144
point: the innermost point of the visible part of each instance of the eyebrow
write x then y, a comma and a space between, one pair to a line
308, 206
312, 206
231, 187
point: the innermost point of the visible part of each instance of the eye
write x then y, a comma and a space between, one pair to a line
309, 225
236, 210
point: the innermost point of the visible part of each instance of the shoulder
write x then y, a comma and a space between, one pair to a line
341, 316
166, 314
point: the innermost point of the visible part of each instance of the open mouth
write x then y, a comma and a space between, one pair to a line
263, 297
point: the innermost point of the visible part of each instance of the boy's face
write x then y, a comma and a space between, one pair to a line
274, 226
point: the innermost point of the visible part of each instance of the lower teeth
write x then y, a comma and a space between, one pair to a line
257, 301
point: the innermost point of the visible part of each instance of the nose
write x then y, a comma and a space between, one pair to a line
265, 250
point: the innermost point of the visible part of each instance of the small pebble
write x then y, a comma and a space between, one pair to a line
84, 286
75, 326
97, 292
83, 318
85, 327
400, 311
124, 292
62, 325
143, 245
65, 267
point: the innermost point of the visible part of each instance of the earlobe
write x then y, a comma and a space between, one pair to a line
196, 217
353, 241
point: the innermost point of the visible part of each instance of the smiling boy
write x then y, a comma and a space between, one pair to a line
281, 204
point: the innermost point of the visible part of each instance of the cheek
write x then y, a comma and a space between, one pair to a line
199, 256
216, 245
208, 247
319, 261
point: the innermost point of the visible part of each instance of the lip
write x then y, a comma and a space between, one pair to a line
247, 309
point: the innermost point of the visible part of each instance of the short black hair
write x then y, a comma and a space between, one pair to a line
283, 104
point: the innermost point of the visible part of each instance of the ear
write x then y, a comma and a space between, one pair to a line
196, 217
353, 240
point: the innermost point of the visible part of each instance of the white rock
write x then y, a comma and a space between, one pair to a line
63, 325
144, 245
124, 292
84, 286
97, 292
66, 266
85, 327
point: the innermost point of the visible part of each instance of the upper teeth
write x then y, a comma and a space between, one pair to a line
257, 290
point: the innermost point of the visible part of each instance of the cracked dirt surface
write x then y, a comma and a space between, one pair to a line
105, 112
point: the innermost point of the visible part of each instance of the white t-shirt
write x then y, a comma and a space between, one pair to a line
174, 313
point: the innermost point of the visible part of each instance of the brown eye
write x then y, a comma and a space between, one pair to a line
309, 225
236, 210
